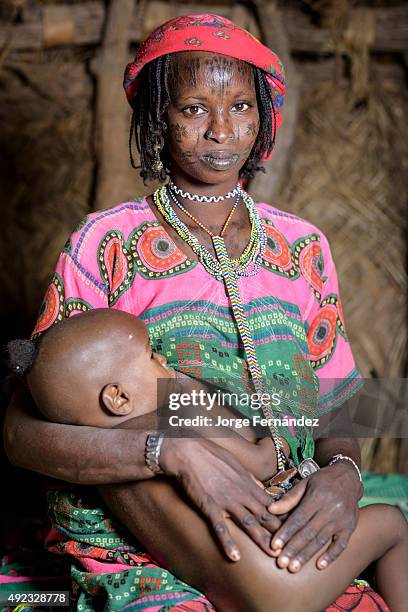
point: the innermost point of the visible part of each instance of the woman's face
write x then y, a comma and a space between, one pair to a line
213, 117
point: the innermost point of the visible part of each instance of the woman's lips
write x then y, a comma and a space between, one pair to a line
220, 161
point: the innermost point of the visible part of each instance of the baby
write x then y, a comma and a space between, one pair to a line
98, 369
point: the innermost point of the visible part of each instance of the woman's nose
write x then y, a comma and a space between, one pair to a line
220, 130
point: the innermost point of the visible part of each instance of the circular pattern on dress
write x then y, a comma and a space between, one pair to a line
311, 265
157, 250
162, 247
322, 332
277, 250
52, 307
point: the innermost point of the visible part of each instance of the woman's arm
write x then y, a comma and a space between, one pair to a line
81, 455
323, 507
213, 479
259, 458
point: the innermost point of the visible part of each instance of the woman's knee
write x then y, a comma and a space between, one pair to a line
397, 518
390, 517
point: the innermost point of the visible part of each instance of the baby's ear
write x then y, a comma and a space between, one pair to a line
116, 399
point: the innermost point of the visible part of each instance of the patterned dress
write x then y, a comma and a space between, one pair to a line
123, 258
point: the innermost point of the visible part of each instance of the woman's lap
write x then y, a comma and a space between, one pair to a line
109, 563
180, 540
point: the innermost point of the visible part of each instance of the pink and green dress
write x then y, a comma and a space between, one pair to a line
123, 258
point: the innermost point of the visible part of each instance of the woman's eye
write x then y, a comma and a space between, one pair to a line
241, 106
193, 110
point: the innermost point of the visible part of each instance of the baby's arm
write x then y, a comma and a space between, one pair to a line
258, 457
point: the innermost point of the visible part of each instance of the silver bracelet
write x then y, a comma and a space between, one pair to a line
152, 451
341, 457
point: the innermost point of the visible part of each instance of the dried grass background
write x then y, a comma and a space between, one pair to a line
47, 170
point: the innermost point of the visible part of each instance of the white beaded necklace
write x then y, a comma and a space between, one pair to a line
202, 199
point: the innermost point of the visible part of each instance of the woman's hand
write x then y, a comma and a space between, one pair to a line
324, 511
220, 486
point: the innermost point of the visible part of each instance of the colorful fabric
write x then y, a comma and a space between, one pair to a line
360, 597
25, 564
123, 258
112, 571
386, 489
112, 574
229, 374
208, 33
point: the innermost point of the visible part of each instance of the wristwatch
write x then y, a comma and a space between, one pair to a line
152, 451
308, 467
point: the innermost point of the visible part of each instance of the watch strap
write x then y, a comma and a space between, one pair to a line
152, 451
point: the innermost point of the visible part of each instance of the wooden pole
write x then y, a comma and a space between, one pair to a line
115, 182
264, 187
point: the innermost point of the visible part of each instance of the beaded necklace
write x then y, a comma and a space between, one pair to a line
245, 265
228, 270
247, 255
209, 232
202, 199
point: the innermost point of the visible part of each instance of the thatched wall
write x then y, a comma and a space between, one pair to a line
46, 174
345, 174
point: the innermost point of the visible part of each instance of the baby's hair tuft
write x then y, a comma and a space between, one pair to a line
21, 356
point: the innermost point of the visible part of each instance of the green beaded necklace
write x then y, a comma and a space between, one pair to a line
227, 269
246, 264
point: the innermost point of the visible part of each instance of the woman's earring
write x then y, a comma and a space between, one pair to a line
157, 164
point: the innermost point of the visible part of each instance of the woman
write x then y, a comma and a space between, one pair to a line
208, 114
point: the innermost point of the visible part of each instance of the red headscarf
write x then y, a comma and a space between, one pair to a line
208, 33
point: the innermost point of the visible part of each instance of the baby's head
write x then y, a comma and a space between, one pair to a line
95, 368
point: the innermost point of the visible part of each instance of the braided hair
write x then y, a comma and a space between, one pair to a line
148, 126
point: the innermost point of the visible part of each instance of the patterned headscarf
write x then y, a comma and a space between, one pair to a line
208, 33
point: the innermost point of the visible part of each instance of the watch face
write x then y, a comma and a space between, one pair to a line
308, 467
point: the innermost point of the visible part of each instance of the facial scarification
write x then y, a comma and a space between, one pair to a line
212, 103
179, 130
183, 74
220, 72
252, 128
